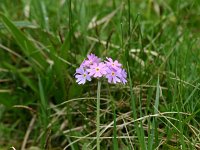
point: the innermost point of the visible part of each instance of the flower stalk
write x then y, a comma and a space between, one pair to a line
98, 114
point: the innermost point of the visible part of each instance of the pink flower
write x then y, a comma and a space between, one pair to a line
113, 64
113, 76
82, 76
123, 76
97, 70
92, 59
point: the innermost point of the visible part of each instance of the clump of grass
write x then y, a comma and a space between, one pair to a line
42, 106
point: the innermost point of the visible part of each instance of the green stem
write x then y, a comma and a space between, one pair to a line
98, 114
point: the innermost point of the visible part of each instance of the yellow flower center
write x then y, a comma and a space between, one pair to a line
97, 69
112, 73
84, 75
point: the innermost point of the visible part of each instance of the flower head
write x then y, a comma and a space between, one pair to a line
93, 67
82, 76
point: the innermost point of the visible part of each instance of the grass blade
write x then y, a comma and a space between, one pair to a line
43, 111
27, 47
154, 134
115, 142
138, 129
20, 24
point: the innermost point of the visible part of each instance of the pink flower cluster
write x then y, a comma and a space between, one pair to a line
94, 67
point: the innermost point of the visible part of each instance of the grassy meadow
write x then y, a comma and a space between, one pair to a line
42, 42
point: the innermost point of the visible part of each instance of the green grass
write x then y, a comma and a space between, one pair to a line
42, 43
